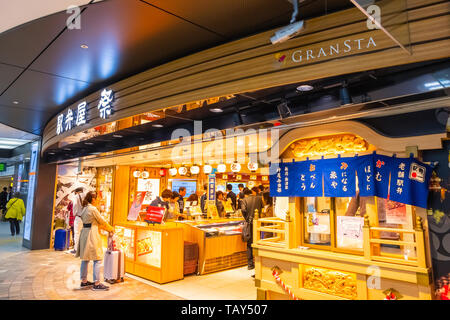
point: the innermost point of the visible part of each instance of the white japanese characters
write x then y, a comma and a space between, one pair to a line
105, 103
68, 121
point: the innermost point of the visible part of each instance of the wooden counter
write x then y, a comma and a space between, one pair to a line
162, 261
218, 252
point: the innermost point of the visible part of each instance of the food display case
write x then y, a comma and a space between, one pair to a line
220, 243
152, 252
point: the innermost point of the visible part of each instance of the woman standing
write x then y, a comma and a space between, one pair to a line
15, 210
90, 243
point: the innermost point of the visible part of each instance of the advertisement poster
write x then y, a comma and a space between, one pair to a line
395, 212
349, 232
151, 187
31, 189
148, 248
281, 205
135, 208
318, 222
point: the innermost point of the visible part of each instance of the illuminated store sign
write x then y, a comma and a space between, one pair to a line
31, 190
71, 119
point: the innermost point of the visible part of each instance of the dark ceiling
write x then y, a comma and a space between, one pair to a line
43, 68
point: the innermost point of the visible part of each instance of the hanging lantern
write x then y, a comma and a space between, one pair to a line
252, 166
195, 169
145, 174
162, 172
173, 171
207, 169
235, 167
182, 171
221, 168
137, 174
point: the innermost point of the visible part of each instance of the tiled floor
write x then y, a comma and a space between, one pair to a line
49, 274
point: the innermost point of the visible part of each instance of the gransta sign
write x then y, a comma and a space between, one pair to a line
338, 48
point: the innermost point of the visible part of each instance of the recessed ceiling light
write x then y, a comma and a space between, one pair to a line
157, 125
89, 143
84, 46
67, 149
117, 136
305, 87
16, 102
52, 153
216, 110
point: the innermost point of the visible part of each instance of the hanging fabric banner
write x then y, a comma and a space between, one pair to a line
409, 181
382, 169
308, 178
365, 172
403, 180
339, 177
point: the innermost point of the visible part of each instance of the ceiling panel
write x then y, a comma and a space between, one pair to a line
19, 46
7, 75
39, 91
124, 37
23, 119
232, 18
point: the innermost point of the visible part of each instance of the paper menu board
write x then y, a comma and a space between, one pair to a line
151, 187
148, 247
349, 232
395, 212
135, 208
318, 222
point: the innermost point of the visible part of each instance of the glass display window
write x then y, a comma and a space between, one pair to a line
317, 221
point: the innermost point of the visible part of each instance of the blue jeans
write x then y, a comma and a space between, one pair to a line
84, 270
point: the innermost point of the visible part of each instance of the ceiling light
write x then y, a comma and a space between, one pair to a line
67, 149
84, 46
117, 136
157, 125
52, 153
305, 87
216, 110
16, 102
89, 143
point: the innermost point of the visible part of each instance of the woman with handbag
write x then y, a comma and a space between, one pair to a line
90, 243
15, 210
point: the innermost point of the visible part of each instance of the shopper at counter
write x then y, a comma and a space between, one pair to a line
182, 192
90, 242
174, 206
164, 200
241, 195
249, 204
203, 198
219, 204
231, 195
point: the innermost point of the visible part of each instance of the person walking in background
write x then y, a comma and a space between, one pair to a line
77, 210
15, 210
249, 204
3, 199
90, 242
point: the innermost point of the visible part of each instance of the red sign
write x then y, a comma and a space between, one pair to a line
155, 214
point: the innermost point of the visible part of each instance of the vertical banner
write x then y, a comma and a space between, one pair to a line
31, 189
365, 171
308, 179
382, 166
409, 182
339, 177
212, 187
280, 182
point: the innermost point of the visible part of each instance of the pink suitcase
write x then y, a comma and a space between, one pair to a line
114, 264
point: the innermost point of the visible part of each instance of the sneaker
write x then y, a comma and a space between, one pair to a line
73, 251
86, 285
100, 287
253, 275
251, 267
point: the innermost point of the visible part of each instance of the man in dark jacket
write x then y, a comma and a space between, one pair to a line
203, 198
240, 195
231, 195
182, 192
249, 204
3, 198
